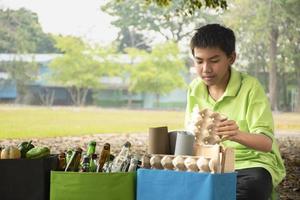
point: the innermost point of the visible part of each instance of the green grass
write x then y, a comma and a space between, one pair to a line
289, 122
32, 122
22, 122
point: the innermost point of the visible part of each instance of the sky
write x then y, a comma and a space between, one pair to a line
82, 18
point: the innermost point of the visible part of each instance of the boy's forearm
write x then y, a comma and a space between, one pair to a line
258, 142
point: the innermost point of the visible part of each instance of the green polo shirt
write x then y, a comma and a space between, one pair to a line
245, 102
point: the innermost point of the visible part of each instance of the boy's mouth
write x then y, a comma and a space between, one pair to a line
208, 78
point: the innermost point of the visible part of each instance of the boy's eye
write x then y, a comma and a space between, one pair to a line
199, 61
214, 61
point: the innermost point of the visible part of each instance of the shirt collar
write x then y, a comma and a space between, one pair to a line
234, 83
232, 88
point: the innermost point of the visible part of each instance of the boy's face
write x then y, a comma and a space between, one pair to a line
212, 65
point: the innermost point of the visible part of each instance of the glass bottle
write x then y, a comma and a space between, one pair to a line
74, 161
104, 157
133, 164
93, 163
121, 159
62, 161
85, 165
91, 148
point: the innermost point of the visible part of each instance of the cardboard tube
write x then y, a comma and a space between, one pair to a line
172, 138
159, 140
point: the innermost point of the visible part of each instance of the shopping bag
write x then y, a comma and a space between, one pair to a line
176, 185
88, 185
26, 179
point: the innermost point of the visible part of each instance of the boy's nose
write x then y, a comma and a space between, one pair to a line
206, 68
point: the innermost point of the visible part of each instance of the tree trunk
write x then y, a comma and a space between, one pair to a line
78, 95
285, 105
21, 92
297, 107
273, 68
47, 96
157, 100
83, 93
129, 101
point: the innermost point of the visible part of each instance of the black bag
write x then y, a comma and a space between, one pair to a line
26, 179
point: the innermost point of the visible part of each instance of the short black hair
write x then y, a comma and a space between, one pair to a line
214, 36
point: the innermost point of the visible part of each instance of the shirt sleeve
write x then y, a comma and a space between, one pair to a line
188, 109
259, 114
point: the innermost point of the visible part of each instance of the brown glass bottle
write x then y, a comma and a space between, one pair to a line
62, 161
104, 156
74, 162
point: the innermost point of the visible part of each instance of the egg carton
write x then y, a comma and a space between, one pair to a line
214, 161
203, 125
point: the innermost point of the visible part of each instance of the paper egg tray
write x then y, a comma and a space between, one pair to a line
181, 163
203, 124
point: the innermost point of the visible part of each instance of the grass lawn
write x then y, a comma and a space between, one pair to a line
21, 122
30, 122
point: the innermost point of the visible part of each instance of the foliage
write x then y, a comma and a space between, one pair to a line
80, 67
22, 72
130, 39
159, 71
188, 7
21, 33
255, 28
154, 20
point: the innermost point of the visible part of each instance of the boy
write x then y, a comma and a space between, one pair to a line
249, 127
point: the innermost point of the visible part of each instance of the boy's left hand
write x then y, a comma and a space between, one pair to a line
227, 129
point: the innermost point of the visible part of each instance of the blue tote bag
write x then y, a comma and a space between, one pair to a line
175, 185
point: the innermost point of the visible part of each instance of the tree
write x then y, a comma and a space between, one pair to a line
22, 72
150, 20
158, 72
262, 38
290, 45
21, 33
130, 39
80, 67
189, 6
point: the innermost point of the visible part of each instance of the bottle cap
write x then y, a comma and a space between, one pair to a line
127, 144
93, 143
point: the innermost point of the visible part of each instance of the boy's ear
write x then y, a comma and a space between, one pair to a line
232, 58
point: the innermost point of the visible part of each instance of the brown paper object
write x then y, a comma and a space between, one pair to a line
159, 140
173, 138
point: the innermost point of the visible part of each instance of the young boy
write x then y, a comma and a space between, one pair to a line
249, 127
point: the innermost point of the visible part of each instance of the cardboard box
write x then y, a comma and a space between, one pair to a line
26, 179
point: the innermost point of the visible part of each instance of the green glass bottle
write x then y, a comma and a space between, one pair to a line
91, 148
93, 163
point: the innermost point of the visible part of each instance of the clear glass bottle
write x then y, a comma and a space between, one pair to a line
133, 164
121, 159
85, 165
